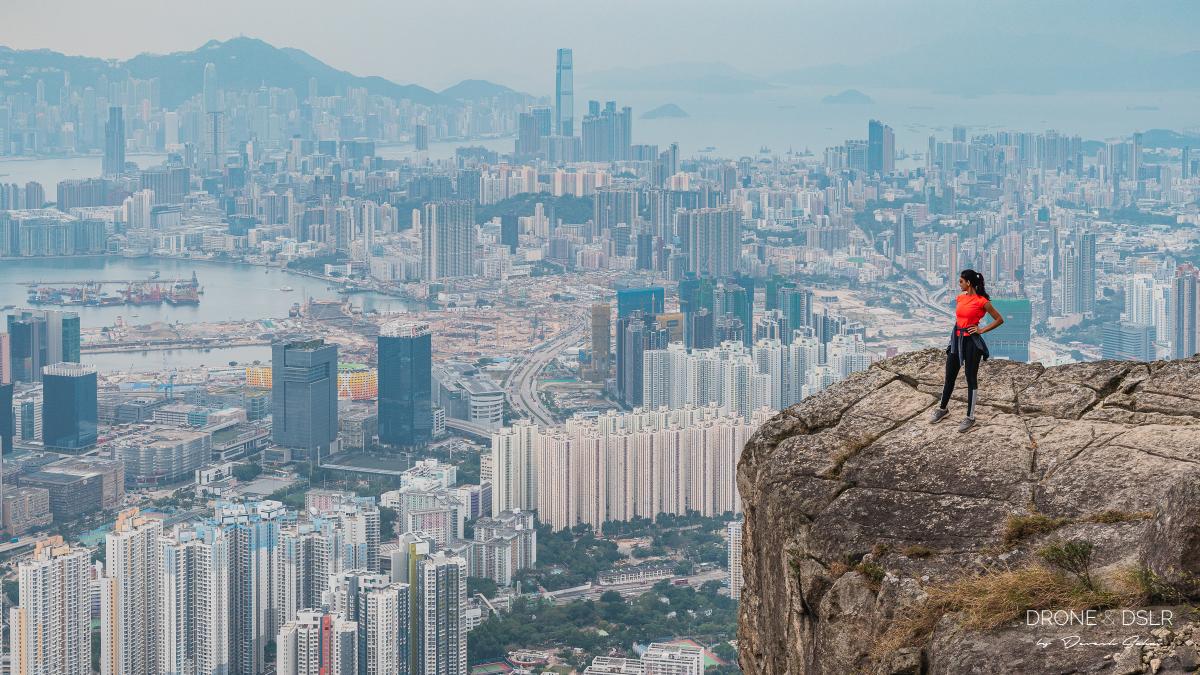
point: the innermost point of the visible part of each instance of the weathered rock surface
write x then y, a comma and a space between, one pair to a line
857, 473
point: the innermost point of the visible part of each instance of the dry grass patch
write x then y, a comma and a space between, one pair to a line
1116, 516
990, 600
916, 551
1019, 528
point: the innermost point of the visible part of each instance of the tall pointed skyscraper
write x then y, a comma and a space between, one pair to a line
114, 142
564, 94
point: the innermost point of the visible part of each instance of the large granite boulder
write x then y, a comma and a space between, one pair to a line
858, 511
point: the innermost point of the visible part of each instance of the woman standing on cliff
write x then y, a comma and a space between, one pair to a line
966, 346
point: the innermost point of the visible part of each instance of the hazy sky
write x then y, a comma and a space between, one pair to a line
438, 42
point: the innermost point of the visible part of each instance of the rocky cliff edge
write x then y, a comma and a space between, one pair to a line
1062, 534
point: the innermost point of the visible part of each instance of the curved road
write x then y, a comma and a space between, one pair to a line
522, 386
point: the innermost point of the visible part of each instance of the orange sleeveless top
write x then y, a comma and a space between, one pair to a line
969, 311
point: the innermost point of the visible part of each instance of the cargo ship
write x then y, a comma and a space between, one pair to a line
137, 293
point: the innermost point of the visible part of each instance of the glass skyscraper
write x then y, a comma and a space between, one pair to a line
1011, 340
39, 338
564, 94
68, 406
405, 384
6, 417
114, 142
304, 396
648, 301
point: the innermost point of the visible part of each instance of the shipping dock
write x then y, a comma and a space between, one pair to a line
153, 291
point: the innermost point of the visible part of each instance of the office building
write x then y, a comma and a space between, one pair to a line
601, 324
1078, 280
441, 603
405, 384
69, 496
69, 420
1126, 341
131, 598
797, 307
733, 535
7, 428
195, 600
1184, 316
50, 631
564, 94
649, 301
448, 240
636, 334
114, 143
317, 643
1011, 339
881, 148
38, 338
509, 231
162, 455
304, 397
5, 357
466, 394
714, 240
110, 472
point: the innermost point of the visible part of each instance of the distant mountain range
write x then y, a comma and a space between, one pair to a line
667, 110
978, 64
242, 63
848, 97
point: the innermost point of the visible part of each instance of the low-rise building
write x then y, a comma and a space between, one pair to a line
358, 428
503, 546
26, 507
635, 573
162, 455
468, 395
111, 472
71, 495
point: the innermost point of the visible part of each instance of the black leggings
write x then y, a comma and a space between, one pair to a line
971, 356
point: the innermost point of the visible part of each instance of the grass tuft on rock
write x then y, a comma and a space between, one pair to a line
1020, 528
916, 551
993, 599
1117, 516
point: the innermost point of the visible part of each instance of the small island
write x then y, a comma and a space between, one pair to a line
669, 110
848, 97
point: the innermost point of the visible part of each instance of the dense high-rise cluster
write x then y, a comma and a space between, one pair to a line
621, 466
215, 596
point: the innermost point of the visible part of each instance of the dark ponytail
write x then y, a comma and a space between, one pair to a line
976, 280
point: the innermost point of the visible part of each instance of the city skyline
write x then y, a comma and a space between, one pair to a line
765, 39
318, 371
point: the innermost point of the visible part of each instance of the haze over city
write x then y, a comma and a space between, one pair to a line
624, 338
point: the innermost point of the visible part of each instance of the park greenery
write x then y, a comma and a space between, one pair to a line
609, 626
566, 208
